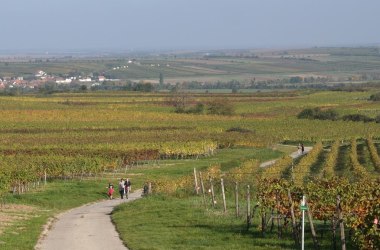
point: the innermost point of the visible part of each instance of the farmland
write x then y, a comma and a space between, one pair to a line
85, 138
245, 66
100, 135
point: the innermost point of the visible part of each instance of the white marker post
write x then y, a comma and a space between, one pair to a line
303, 209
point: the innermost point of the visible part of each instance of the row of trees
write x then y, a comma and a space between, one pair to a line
330, 114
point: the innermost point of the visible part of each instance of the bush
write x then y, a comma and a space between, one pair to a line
357, 118
327, 115
319, 114
239, 129
375, 97
220, 108
197, 109
306, 114
377, 119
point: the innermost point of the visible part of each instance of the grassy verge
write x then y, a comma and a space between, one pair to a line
47, 201
161, 222
170, 223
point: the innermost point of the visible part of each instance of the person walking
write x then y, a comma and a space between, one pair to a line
121, 188
127, 187
302, 148
110, 191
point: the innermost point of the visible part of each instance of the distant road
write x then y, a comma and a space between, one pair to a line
86, 228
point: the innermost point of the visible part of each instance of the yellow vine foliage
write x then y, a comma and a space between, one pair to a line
359, 171
302, 169
374, 155
246, 173
331, 160
277, 169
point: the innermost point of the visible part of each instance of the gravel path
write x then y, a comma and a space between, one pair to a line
86, 228
294, 155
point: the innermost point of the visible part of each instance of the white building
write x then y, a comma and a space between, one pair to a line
88, 79
64, 81
40, 74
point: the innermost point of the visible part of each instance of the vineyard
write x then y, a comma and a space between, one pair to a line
98, 136
338, 201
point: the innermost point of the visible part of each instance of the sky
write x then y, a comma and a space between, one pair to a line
186, 24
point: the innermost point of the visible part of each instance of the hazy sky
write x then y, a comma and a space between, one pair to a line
186, 24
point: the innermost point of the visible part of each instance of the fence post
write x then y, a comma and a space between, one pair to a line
149, 188
45, 176
248, 207
236, 199
340, 217
202, 187
313, 233
212, 192
196, 182
294, 223
223, 195
303, 203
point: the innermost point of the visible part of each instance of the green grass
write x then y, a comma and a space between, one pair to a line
161, 222
169, 223
48, 201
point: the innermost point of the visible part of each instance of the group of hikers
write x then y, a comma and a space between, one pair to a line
301, 148
124, 188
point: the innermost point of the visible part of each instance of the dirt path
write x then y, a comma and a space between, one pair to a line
86, 228
294, 155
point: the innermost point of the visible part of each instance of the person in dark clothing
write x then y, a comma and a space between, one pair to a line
302, 148
121, 188
127, 187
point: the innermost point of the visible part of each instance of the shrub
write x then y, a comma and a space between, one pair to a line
220, 107
239, 129
357, 118
307, 114
375, 97
318, 113
197, 109
377, 119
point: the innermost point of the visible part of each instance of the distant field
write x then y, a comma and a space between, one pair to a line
322, 62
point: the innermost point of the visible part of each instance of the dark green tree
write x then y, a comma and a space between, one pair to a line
161, 79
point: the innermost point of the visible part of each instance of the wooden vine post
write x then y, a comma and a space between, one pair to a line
294, 223
341, 225
312, 229
45, 177
248, 207
236, 200
223, 196
196, 182
212, 192
202, 188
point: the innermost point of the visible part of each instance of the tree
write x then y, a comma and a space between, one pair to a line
83, 87
319, 114
161, 79
220, 107
375, 97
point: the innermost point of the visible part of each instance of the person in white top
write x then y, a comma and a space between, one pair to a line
121, 188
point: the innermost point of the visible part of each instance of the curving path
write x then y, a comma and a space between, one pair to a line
86, 228
294, 155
